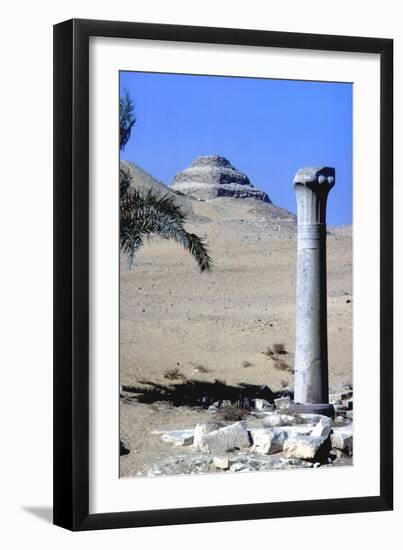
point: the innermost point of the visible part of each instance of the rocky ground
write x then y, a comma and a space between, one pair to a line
190, 340
249, 436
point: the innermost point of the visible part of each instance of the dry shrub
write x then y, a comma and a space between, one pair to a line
269, 352
174, 374
279, 349
247, 364
279, 364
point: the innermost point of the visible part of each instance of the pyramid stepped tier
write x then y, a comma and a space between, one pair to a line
210, 177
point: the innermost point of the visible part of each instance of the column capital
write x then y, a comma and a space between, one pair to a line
312, 186
314, 175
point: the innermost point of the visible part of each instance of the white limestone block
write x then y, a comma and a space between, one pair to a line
234, 436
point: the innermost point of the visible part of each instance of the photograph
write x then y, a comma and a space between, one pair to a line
236, 298
205, 308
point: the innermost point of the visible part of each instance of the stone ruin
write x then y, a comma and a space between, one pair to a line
273, 437
209, 177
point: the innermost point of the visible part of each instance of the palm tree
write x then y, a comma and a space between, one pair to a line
153, 213
127, 119
142, 216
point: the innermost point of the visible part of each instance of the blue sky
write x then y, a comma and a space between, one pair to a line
265, 128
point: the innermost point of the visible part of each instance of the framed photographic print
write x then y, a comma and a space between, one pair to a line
223, 235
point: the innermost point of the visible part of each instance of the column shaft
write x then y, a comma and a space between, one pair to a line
311, 364
312, 186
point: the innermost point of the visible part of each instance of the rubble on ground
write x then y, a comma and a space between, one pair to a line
272, 437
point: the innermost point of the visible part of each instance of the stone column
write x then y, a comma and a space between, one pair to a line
312, 186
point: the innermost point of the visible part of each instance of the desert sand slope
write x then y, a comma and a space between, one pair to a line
215, 326
145, 182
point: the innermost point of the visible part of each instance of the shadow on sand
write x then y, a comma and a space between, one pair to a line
194, 393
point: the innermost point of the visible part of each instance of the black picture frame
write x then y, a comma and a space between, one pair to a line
71, 274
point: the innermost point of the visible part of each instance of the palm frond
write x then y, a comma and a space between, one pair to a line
199, 250
127, 118
125, 181
153, 213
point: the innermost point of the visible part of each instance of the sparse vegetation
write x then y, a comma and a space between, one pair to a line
279, 349
280, 364
174, 374
247, 364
